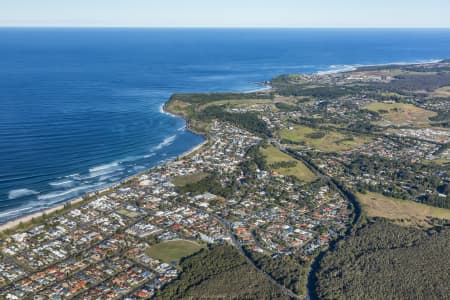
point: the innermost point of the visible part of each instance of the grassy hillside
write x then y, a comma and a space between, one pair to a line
173, 251
401, 114
327, 141
286, 165
402, 211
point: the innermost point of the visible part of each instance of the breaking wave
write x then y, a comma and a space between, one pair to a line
69, 193
347, 68
104, 167
167, 141
62, 184
19, 193
103, 170
16, 212
338, 69
161, 110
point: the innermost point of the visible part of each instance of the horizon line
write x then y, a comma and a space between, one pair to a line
207, 27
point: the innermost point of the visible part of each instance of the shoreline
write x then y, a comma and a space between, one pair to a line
29, 217
78, 199
355, 67
11, 224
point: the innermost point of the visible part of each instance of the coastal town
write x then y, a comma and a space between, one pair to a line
99, 248
277, 176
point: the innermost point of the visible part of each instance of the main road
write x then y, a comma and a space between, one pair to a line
237, 244
344, 192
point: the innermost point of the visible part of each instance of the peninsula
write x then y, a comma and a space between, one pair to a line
305, 190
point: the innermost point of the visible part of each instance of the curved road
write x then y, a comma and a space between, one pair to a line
346, 194
237, 244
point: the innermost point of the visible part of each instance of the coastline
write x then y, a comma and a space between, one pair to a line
28, 218
14, 223
352, 68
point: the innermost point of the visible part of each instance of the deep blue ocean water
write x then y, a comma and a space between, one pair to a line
81, 108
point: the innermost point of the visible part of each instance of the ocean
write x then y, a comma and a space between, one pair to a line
81, 109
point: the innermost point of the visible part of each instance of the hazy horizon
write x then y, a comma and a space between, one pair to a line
382, 14
217, 27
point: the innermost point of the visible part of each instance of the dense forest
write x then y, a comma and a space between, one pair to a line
288, 271
416, 181
248, 120
255, 160
442, 119
220, 272
210, 184
324, 92
386, 261
212, 97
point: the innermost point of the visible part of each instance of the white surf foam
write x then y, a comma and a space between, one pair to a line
415, 62
338, 69
62, 184
104, 167
131, 159
16, 212
260, 89
167, 141
72, 175
161, 110
347, 68
114, 179
19, 193
103, 170
105, 177
68, 193
93, 175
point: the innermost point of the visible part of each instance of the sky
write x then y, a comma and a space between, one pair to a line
226, 13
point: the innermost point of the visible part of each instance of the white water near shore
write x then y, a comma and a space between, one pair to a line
14, 194
105, 172
28, 217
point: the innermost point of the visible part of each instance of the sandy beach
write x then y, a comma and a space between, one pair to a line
27, 218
